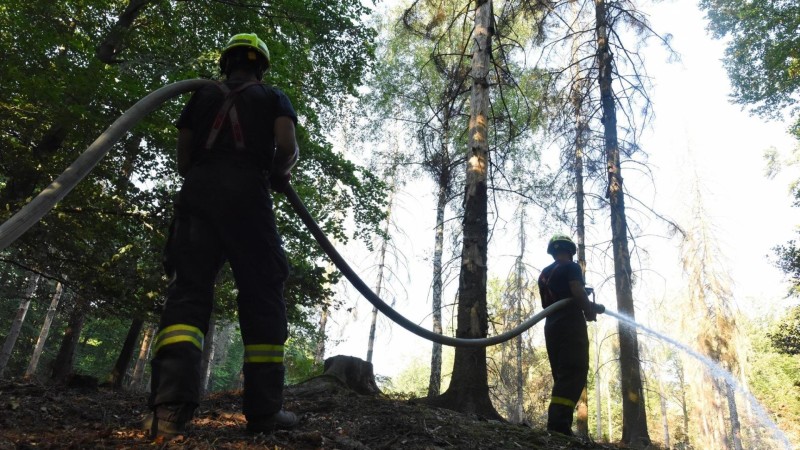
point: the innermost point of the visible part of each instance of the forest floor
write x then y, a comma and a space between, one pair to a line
49, 417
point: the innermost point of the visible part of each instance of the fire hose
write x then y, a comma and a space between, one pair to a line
32, 212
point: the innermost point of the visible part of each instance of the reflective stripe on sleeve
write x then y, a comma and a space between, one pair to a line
263, 353
562, 401
175, 334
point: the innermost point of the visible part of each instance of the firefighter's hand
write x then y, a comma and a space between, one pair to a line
594, 309
280, 183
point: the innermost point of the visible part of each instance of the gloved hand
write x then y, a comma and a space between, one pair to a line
594, 309
280, 183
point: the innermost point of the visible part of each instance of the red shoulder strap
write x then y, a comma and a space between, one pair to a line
228, 109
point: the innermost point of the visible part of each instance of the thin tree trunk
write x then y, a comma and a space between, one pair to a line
736, 426
208, 354
126, 354
137, 379
319, 354
469, 389
16, 325
62, 368
379, 286
435, 382
519, 407
634, 415
664, 417
33, 365
222, 344
597, 386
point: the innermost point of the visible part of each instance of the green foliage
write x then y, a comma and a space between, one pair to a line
105, 239
763, 55
774, 378
785, 336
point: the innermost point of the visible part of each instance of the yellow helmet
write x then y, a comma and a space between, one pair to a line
246, 40
561, 242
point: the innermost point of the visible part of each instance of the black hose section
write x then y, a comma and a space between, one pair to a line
31, 213
376, 301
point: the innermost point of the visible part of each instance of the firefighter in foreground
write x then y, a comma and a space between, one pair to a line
236, 142
565, 331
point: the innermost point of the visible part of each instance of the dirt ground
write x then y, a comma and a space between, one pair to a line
35, 416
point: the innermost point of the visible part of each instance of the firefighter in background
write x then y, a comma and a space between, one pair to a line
236, 142
565, 331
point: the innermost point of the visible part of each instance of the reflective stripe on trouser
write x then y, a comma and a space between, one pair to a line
562, 401
263, 380
174, 334
263, 353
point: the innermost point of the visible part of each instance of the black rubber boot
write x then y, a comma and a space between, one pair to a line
168, 420
559, 419
282, 420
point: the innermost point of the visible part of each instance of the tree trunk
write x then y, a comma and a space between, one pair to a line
469, 389
137, 379
208, 354
664, 418
62, 367
16, 325
126, 354
443, 182
319, 355
634, 415
519, 403
597, 386
736, 426
379, 286
222, 343
353, 372
33, 365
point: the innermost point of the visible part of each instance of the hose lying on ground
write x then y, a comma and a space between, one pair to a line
31, 213
373, 298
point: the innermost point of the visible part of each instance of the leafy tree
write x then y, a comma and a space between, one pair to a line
763, 54
786, 334
762, 59
74, 67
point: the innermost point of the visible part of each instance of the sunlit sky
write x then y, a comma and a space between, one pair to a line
696, 130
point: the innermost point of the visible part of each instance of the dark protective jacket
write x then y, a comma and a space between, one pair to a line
224, 213
567, 344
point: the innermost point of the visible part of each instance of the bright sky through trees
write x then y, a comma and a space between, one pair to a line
696, 130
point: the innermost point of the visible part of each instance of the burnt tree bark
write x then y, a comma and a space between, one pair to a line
469, 389
634, 414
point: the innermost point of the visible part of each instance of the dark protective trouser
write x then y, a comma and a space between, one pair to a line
224, 212
568, 351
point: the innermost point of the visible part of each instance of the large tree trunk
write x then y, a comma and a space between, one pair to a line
126, 354
137, 378
469, 389
33, 365
62, 367
634, 415
16, 325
